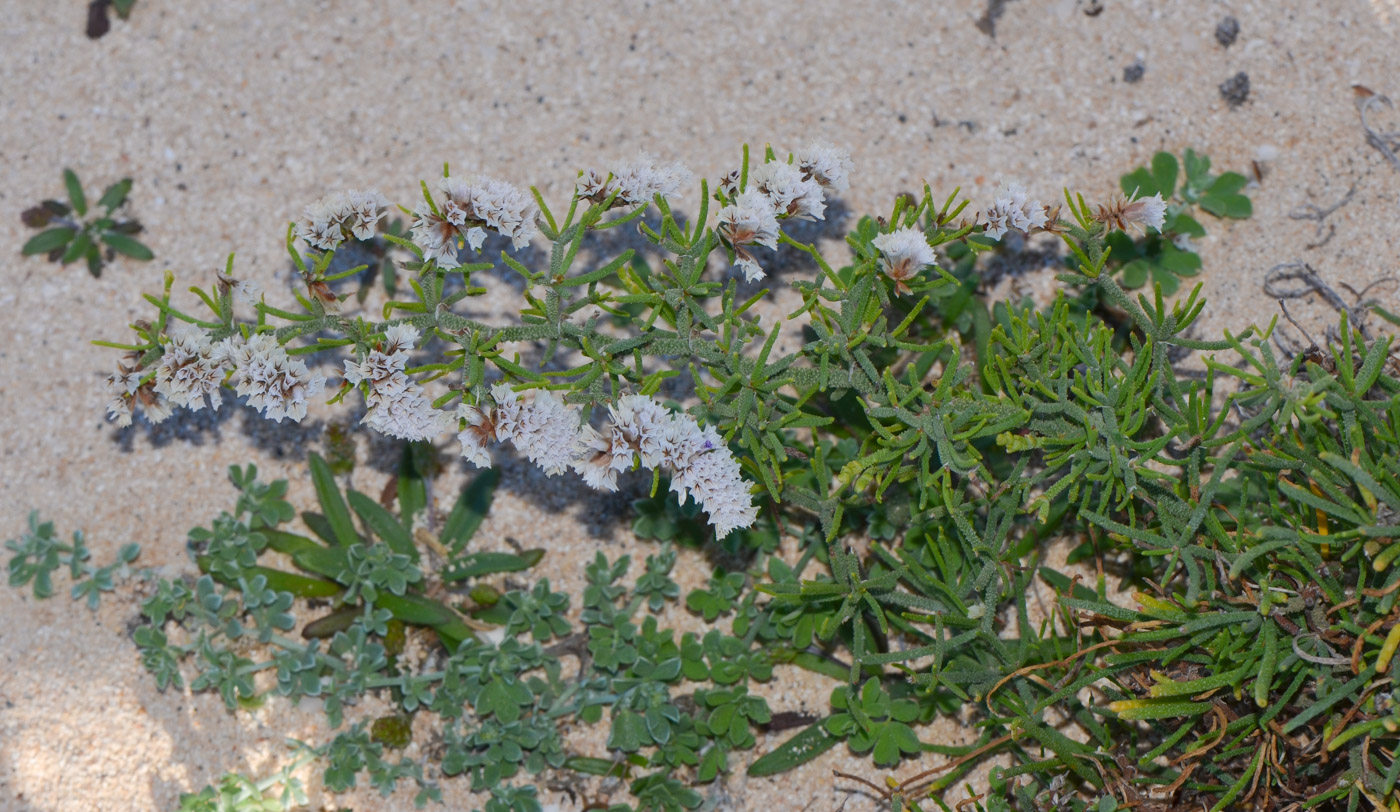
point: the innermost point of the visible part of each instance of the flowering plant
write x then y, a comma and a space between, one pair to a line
1252, 505
614, 335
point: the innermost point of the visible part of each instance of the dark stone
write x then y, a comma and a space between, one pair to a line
1227, 31
1235, 90
1133, 73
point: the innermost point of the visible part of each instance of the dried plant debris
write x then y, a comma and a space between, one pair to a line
98, 22
1319, 215
1235, 90
1226, 31
1387, 142
987, 23
1306, 281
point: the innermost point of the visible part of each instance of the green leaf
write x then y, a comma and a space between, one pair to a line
46, 241
628, 732
94, 260
383, 523
470, 509
1234, 205
1186, 224
1140, 181
123, 244
1227, 184
1135, 273
332, 505
75, 192
477, 564
1164, 171
1182, 263
115, 195
77, 248
413, 491
806, 745
1197, 166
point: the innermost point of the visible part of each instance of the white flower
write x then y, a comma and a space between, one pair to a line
904, 253
249, 293
121, 388
790, 193
436, 236
156, 407
543, 428
700, 464
641, 423
826, 164
272, 380
480, 430
729, 184
702, 467
749, 220
465, 209
591, 184
404, 411
397, 405
598, 453
190, 370
640, 179
331, 220
547, 433
1122, 212
1013, 209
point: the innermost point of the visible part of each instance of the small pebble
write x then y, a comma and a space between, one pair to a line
1226, 31
1133, 73
1235, 89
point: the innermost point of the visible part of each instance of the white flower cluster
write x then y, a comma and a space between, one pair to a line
789, 192
749, 220
271, 379
191, 369
904, 252
827, 164
398, 406
636, 181
466, 209
124, 391
335, 218
552, 436
779, 189
1012, 208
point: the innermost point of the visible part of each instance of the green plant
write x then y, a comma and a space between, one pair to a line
1248, 512
70, 236
38, 553
1168, 254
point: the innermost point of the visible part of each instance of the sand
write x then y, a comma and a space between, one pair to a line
231, 116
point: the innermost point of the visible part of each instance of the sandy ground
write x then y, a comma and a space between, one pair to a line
231, 116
